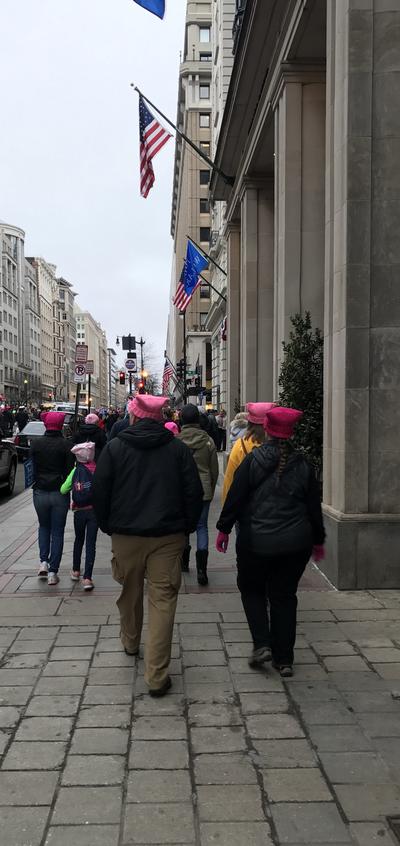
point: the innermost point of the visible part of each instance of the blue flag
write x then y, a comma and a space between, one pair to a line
155, 6
195, 262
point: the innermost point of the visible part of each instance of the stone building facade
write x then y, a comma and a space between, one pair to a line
311, 136
190, 201
31, 336
14, 368
222, 62
89, 331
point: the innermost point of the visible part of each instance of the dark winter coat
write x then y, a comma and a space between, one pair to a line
91, 432
147, 484
52, 461
118, 427
276, 514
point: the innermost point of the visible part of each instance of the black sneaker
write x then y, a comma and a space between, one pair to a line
161, 691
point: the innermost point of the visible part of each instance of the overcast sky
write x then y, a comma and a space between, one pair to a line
69, 161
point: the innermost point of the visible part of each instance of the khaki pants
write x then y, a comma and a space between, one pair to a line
159, 561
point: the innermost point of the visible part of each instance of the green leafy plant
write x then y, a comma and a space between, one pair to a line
301, 385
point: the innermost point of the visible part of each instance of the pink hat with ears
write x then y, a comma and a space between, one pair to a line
53, 420
84, 452
258, 410
147, 406
280, 422
172, 427
92, 418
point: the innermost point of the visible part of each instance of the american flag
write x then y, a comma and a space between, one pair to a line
167, 376
182, 299
153, 136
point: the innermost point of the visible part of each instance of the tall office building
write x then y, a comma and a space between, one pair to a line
190, 204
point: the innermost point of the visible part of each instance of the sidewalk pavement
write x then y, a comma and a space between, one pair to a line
232, 757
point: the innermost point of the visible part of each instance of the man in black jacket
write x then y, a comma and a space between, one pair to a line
148, 497
90, 431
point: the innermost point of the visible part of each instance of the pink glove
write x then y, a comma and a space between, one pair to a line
222, 542
318, 552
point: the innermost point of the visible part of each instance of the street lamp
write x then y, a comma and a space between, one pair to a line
26, 391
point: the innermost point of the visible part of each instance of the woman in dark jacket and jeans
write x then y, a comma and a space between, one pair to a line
275, 499
52, 462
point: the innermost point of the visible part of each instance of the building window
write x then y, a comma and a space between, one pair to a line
204, 92
205, 34
203, 319
204, 120
205, 145
205, 234
204, 206
204, 177
204, 292
205, 57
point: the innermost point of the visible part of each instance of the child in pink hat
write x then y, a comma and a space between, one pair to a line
275, 500
80, 482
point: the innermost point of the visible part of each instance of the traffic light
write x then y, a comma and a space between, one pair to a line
141, 388
180, 367
122, 377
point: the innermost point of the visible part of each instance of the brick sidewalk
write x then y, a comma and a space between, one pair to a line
232, 757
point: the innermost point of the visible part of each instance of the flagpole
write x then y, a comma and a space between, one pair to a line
183, 313
212, 287
228, 179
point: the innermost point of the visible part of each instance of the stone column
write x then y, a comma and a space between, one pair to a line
299, 201
232, 234
256, 291
362, 303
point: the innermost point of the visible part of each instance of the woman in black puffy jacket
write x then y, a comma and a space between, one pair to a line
275, 500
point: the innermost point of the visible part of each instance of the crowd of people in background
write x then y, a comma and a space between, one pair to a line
146, 475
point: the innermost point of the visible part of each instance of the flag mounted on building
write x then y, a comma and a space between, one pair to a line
182, 299
167, 376
153, 136
157, 7
195, 262
223, 328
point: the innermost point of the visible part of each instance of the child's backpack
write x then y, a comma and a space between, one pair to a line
82, 487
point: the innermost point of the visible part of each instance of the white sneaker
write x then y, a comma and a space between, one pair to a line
43, 570
52, 579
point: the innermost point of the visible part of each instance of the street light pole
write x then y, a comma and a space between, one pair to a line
184, 359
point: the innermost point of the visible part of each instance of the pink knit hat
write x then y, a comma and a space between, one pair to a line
92, 418
84, 452
258, 410
144, 405
172, 427
280, 422
53, 420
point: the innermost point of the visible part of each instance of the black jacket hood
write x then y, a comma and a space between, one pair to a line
146, 434
267, 457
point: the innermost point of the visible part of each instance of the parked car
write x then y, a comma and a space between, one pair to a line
36, 429
8, 464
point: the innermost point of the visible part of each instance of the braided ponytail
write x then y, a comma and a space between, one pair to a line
284, 449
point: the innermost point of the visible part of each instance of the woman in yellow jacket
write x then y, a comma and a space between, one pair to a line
253, 437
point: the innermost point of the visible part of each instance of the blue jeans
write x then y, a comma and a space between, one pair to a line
202, 527
52, 509
85, 523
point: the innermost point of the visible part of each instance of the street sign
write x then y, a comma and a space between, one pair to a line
90, 367
131, 355
81, 353
131, 365
80, 373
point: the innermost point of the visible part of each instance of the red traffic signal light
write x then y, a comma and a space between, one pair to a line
122, 377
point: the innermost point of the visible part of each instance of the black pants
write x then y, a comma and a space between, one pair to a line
275, 577
222, 440
85, 523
